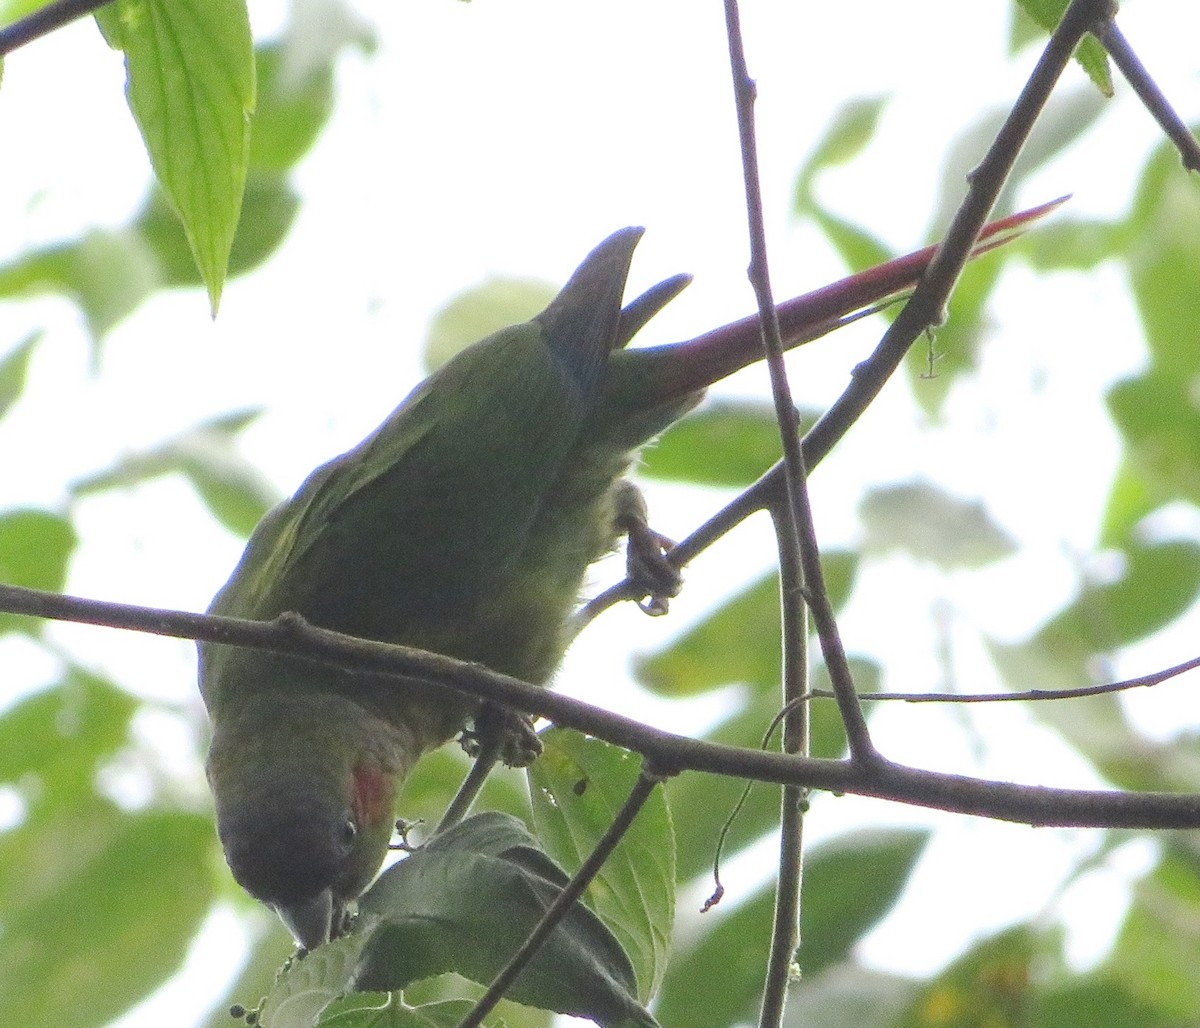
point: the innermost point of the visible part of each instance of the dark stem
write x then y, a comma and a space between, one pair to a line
44, 21
1152, 97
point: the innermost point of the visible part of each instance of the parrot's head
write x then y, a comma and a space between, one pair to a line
305, 812
308, 848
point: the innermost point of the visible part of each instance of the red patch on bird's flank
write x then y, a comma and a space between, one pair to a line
371, 800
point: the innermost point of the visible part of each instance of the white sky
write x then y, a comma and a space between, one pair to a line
491, 138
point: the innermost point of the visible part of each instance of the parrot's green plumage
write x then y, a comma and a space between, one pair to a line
464, 525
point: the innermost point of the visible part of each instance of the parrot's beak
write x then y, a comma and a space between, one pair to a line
310, 921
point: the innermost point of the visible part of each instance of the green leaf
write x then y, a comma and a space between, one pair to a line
1090, 54
578, 785
35, 547
52, 744
850, 884
478, 312
269, 206
739, 642
106, 273
725, 444
294, 105
100, 909
1164, 265
233, 490
850, 131
1152, 958
1160, 581
932, 525
190, 85
390, 1012
467, 900
13, 368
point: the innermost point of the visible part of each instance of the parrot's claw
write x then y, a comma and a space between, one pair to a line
646, 563
507, 733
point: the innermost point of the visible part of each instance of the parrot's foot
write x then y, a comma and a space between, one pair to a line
646, 551
506, 733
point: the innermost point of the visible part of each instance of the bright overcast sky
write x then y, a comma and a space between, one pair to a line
490, 138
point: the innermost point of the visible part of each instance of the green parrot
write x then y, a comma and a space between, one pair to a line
464, 525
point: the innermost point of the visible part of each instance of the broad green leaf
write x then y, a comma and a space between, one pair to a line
850, 884
233, 491
739, 642
718, 982
53, 743
35, 547
725, 444
1160, 581
578, 785
190, 85
13, 368
108, 904
855, 245
932, 525
1164, 265
269, 206
478, 312
466, 901
1156, 414
307, 984
107, 273
1153, 958
848, 134
294, 104
1129, 500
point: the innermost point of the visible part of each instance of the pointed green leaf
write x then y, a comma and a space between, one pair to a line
850, 884
467, 900
478, 312
35, 547
53, 743
106, 273
107, 906
13, 368
850, 131
739, 642
577, 786
725, 444
190, 85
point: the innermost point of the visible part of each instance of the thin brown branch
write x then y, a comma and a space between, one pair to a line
572, 891
1029, 695
800, 563
1153, 98
1004, 801
44, 21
